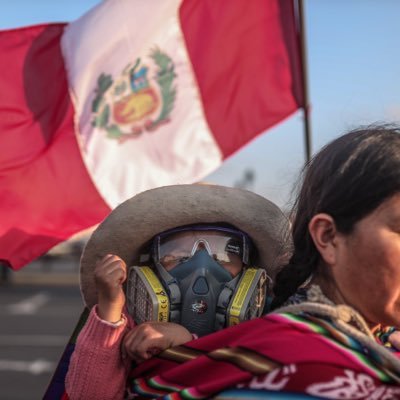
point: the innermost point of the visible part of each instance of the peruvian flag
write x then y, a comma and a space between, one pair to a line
133, 95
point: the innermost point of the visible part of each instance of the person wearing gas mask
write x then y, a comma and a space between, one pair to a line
165, 267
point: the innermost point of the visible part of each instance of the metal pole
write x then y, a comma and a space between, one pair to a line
306, 104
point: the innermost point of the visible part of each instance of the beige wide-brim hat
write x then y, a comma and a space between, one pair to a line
134, 222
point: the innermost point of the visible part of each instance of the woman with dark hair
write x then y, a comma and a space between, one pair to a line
332, 333
345, 185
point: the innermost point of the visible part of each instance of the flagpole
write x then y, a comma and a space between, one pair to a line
306, 103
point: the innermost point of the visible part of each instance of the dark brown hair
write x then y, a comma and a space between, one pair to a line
348, 179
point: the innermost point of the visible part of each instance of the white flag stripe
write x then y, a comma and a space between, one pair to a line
180, 148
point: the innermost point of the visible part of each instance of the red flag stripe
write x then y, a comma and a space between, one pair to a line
46, 193
246, 60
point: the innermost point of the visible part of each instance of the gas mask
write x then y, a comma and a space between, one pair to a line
200, 279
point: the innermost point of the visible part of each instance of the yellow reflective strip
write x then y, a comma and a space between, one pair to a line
162, 298
240, 295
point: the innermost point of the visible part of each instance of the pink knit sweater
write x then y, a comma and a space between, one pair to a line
97, 370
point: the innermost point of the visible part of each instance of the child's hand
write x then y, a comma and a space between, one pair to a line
109, 275
151, 338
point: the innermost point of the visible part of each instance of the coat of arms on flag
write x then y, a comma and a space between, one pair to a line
140, 99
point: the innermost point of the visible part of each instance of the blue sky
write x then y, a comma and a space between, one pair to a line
353, 70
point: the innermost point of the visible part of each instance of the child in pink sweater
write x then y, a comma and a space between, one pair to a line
203, 240
108, 343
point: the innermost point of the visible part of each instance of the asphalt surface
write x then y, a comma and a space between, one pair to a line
39, 308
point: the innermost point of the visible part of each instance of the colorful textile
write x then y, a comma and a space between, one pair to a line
382, 334
133, 95
277, 356
280, 352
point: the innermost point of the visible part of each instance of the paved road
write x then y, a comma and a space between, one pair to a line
38, 311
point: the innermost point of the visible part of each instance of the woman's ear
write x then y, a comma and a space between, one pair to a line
323, 231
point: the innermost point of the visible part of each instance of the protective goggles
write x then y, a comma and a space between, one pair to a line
225, 245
